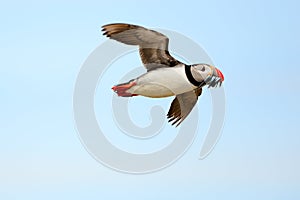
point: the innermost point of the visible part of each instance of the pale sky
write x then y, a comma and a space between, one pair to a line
254, 43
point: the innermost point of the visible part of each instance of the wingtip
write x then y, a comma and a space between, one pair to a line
174, 121
105, 32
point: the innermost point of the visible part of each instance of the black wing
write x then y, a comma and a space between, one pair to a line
182, 105
153, 46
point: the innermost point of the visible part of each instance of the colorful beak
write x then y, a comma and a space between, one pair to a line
220, 74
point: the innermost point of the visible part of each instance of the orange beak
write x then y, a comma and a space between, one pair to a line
220, 74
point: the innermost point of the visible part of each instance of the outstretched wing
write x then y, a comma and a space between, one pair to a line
153, 46
182, 105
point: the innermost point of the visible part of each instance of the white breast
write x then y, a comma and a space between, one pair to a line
162, 82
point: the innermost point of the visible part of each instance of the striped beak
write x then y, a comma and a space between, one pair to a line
220, 75
215, 79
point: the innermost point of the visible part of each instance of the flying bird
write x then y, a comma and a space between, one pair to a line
166, 76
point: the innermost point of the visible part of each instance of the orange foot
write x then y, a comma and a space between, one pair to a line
122, 88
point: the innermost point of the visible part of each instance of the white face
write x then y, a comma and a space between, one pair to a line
206, 73
201, 71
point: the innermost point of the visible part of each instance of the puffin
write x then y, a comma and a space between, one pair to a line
165, 76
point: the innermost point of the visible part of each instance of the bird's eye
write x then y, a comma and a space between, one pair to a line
203, 69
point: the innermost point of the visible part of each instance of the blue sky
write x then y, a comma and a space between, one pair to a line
254, 43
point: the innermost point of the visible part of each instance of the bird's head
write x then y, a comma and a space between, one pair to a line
208, 74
